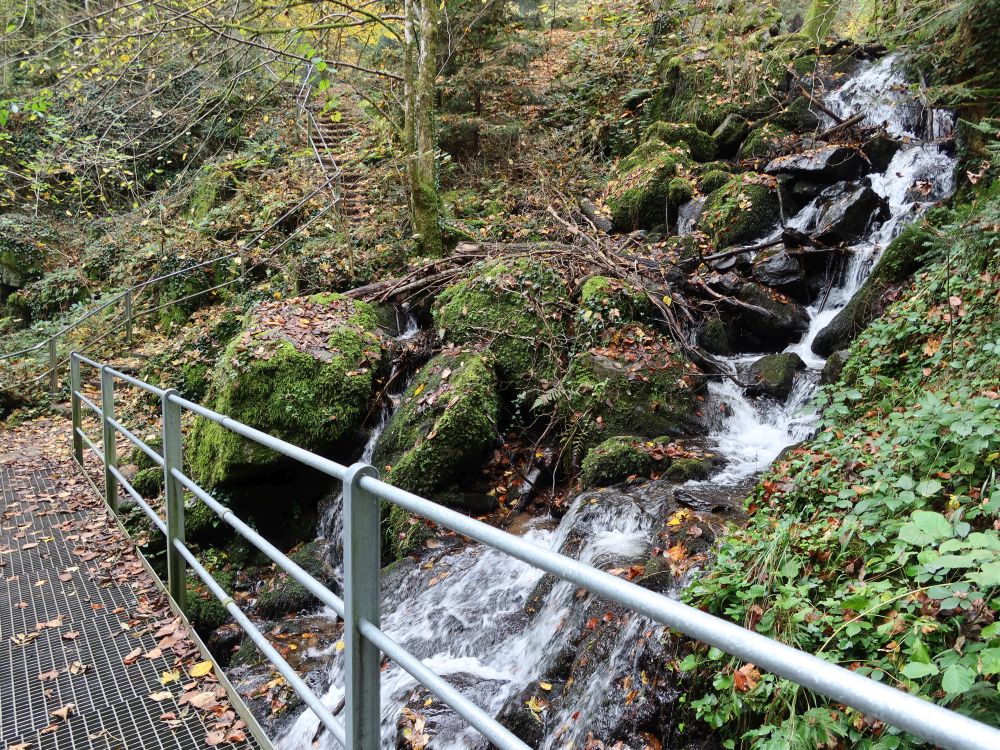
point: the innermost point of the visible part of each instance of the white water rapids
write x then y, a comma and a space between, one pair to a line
470, 624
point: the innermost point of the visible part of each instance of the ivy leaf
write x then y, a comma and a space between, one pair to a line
915, 670
957, 679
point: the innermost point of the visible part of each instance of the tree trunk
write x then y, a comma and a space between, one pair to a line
420, 42
819, 18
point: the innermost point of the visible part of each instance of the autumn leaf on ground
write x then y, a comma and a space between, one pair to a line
52, 674
63, 714
746, 678
160, 695
201, 669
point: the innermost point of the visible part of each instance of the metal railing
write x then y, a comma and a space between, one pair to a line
363, 494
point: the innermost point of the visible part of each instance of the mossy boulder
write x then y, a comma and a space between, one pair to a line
283, 595
148, 482
512, 308
303, 370
763, 142
714, 179
635, 384
701, 145
714, 337
203, 609
638, 197
774, 375
743, 209
445, 423
618, 458
901, 259
606, 303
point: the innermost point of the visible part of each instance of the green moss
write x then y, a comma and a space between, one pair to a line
282, 595
762, 142
635, 385
203, 610
211, 185
24, 250
303, 370
714, 337
199, 520
444, 425
605, 303
54, 293
514, 310
741, 210
701, 145
684, 469
638, 197
403, 534
713, 180
148, 482
679, 191
615, 460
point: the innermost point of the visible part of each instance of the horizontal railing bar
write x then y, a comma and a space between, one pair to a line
284, 562
332, 468
486, 724
926, 720
137, 442
87, 360
270, 653
146, 508
188, 269
90, 404
90, 444
63, 331
158, 392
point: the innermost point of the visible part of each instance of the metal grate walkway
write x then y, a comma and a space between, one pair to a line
90, 655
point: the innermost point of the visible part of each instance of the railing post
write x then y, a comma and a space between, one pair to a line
110, 446
53, 368
74, 387
128, 315
173, 458
362, 563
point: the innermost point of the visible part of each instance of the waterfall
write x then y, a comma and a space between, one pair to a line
465, 616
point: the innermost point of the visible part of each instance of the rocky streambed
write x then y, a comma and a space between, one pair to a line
805, 242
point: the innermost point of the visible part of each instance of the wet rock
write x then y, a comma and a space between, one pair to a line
833, 367
776, 323
225, 638
727, 283
614, 461
774, 375
848, 211
879, 150
824, 164
782, 272
741, 210
805, 190
440, 721
529, 715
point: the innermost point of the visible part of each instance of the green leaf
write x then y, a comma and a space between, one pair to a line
915, 670
957, 679
925, 527
929, 488
988, 575
990, 658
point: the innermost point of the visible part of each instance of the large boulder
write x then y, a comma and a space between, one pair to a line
302, 369
635, 384
768, 321
638, 198
515, 309
743, 209
847, 213
445, 423
901, 259
774, 375
824, 164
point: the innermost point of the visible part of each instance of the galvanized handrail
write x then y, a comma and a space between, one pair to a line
365, 641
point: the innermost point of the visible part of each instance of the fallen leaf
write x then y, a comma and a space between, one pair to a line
52, 674
63, 714
170, 676
160, 695
132, 656
156, 653
78, 667
215, 738
201, 669
71, 635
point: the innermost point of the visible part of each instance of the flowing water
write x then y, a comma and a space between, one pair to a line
466, 616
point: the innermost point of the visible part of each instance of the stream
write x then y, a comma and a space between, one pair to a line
463, 609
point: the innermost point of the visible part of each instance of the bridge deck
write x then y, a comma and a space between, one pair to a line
90, 654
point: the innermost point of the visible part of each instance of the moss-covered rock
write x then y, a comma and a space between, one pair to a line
212, 186
303, 370
283, 595
743, 209
635, 384
768, 322
638, 197
714, 337
24, 250
714, 179
514, 309
619, 458
148, 482
445, 423
702, 146
774, 374
203, 610
606, 303
901, 259
693, 467
402, 533
763, 142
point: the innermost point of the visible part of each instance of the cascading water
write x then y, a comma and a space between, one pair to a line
465, 616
